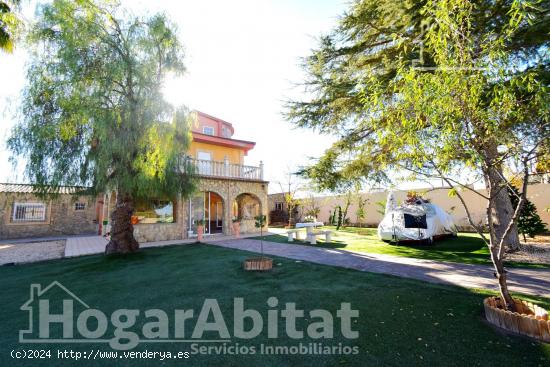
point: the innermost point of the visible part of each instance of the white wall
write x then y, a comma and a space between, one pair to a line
539, 194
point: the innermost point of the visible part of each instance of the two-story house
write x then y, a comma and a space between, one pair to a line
227, 189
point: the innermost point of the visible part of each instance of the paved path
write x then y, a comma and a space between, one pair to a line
527, 281
89, 245
44, 239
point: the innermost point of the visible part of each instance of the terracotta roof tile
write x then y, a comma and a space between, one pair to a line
29, 189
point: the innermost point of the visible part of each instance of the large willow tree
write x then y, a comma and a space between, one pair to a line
449, 89
93, 113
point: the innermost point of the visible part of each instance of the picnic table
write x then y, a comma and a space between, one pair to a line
309, 226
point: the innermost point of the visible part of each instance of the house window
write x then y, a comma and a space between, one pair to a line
208, 130
279, 206
29, 212
225, 132
153, 211
79, 206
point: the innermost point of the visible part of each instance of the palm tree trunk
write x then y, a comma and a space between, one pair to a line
122, 231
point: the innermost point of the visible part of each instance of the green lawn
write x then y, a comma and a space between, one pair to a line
466, 248
402, 322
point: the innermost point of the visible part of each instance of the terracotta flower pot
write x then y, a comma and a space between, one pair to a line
258, 264
134, 219
200, 232
237, 229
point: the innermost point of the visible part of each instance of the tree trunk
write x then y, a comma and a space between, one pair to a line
498, 259
500, 274
345, 214
502, 209
500, 214
122, 231
290, 209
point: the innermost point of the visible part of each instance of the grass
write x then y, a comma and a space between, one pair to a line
402, 321
466, 248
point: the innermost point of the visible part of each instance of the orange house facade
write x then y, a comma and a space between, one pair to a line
228, 190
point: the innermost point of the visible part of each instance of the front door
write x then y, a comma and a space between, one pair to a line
207, 206
196, 211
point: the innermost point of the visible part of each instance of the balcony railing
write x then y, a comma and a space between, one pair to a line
228, 170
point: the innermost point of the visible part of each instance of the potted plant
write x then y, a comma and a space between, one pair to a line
236, 227
200, 229
262, 263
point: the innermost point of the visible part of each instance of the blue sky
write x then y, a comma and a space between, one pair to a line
242, 60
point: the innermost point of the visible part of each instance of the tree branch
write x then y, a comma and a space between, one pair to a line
518, 209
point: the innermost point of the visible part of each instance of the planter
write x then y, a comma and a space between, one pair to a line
200, 232
258, 264
530, 320
237, 229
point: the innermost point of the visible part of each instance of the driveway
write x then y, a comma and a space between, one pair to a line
17, 252
528, 281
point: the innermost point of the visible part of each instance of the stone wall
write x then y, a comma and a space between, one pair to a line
61, 216
62, 219
163, 231
228, 190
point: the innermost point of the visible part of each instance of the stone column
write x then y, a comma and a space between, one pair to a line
261, 170
228, 215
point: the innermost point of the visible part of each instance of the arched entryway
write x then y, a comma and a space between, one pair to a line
245, 207
208, 206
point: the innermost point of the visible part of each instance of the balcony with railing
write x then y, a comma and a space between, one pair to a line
208, 168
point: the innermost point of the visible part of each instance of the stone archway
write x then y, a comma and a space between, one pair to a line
245, 207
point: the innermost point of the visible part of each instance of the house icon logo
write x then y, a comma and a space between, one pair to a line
51, 307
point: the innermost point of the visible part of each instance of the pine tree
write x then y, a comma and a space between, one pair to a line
340, 220
430, 89
529, 222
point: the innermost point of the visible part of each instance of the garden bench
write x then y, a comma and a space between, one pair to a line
293, 232
313, 236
